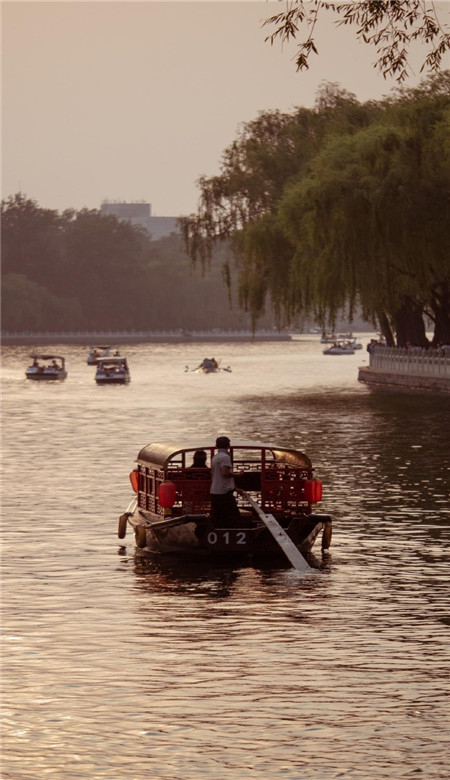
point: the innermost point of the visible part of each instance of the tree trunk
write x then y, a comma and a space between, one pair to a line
441, 313
410, 325
386, 330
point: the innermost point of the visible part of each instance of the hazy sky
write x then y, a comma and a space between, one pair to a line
136, 100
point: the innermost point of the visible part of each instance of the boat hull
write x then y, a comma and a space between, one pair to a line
112, 380
45, 377
197, 535
338, 351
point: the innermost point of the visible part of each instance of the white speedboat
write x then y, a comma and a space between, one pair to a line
339, 348
328, 338
112, 370
95, 353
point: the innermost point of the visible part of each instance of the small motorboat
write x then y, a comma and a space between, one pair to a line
45, 367
208, 366
328, 338
171, 512
95, 353
340, 348
112, 370
345, 336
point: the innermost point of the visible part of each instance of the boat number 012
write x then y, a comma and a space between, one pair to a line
238, 537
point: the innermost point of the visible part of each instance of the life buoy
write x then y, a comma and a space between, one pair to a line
141, 536
326, 536
122, 529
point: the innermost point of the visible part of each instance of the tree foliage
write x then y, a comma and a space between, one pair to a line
82, 270
342, 206
391, 26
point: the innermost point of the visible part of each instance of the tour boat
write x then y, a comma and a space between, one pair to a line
276, 491
54, 369
95, 353
113, 370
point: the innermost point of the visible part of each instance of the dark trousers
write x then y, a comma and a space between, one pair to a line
224, 510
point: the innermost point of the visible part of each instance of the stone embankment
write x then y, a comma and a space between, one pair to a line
414, 369
140, 337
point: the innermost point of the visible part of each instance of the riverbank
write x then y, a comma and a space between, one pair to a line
140, 337
416, 370
379, 380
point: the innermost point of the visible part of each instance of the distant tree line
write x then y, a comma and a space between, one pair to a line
342, 206
82, 270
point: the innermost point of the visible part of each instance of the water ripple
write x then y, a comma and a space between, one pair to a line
120, 666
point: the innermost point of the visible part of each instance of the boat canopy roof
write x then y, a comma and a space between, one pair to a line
40, 356
160, 453
112, 361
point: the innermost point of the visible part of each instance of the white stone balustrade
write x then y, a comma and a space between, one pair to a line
414, 360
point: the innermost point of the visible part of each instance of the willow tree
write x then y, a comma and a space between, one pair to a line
369, 224
360, 236
240, 204
360, 218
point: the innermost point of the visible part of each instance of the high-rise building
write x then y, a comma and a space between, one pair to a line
140, 213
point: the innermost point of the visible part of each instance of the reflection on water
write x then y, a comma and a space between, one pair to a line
120, 665
202, 578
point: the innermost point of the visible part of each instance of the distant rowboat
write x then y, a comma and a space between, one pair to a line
208, 366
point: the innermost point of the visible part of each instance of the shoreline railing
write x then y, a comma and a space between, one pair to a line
102, 333
113, 336
413, 360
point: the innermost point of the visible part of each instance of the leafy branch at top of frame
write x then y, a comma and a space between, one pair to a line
391, 26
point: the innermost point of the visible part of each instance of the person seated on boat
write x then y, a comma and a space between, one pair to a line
207, 363
224, 508
198, 469
214, 363
199, 460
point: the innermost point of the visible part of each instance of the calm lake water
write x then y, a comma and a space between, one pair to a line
121, 667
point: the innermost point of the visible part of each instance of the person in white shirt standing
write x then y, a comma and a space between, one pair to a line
224, 508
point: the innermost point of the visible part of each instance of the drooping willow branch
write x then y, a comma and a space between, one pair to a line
391, 26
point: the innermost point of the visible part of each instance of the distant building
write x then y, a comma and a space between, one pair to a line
141, 214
